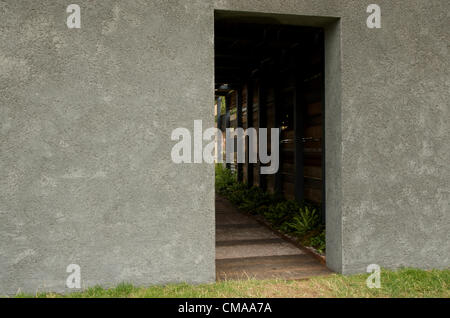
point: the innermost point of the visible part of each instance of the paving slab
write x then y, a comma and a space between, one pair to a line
234, 233
253, 250
247, 249
233, 218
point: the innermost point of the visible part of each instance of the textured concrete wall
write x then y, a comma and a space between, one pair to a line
86, 117
388, 149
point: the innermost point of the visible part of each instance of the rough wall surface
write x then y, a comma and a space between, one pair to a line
86, 117
393, 206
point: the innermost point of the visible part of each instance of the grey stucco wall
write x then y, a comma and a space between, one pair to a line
388, 149
86, 117
395, 133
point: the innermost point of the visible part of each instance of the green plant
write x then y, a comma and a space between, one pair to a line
224, 179
318, 241
253, 199
305, 221
301, 220
236, 193
282, 212
261, 210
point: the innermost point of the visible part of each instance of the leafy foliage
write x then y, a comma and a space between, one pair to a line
318, 241
224, 179
282, 212
301, 220
253, 199
306, 220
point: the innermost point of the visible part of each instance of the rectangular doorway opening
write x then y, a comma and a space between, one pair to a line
270, 73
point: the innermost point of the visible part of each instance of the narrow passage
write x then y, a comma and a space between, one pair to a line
247, 249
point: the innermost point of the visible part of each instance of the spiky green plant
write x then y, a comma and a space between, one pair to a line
305, 221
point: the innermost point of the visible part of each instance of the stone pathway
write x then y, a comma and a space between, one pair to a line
247, 249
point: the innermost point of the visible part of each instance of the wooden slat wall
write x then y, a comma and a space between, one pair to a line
313, 127
271, 123
255, 125
244, 123
287, 146
291, 82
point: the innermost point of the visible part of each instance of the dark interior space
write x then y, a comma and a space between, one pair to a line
272, 75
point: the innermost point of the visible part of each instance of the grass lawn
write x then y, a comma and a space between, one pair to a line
402, 283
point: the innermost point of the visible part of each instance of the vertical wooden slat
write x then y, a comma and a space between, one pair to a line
240, 168
277, 112
249, 125
227, 120
262, 123
298, 131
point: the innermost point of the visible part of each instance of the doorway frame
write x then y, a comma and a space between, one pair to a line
332, 134
333, 144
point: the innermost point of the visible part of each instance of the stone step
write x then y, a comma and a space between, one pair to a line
244, 226
233, 218
301, 273
249, 242
237, 232
246, 249
256, 250
270, 267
